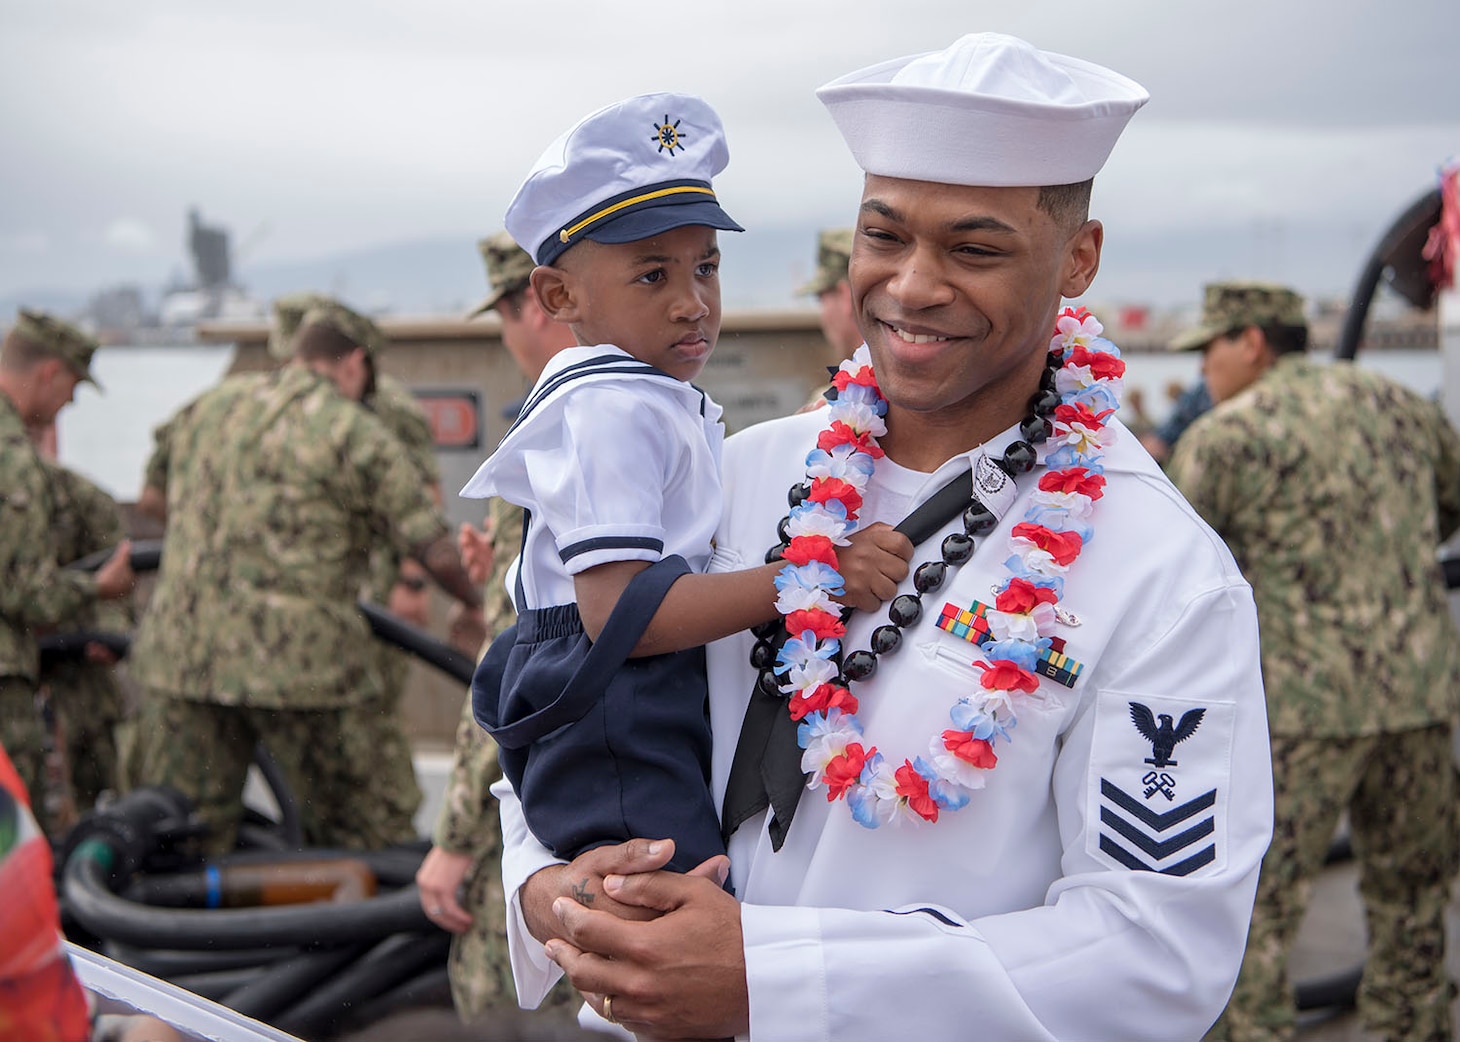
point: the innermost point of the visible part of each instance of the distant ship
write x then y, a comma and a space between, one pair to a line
119, 315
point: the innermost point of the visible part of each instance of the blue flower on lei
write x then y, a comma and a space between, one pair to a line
978, 721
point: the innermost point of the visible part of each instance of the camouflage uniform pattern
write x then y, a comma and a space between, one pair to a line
1405, 844
34, 592
278, 489
87, 695
833, 258
508, 266
1334, 486
392, 790
1230, 306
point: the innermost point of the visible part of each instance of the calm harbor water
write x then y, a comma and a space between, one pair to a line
107, 436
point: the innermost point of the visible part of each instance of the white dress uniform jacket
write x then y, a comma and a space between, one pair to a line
1095, 888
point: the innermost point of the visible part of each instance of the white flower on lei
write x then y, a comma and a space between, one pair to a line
810, 674
824, 738
859, 415
1084, 440
1072, 329
843, 462
951, 768
808, 587
873, 800
1076, 504
1010, 625
1036, 561
811, 518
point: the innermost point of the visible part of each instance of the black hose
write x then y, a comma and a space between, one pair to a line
430, 987
287, 982
418, 642
215, 984
392, 960
289, 821
1419, 215
1338, 990
169, 964
56, 648
147, 556
393, 867
107, 915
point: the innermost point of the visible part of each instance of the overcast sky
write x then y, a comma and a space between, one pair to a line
312, 127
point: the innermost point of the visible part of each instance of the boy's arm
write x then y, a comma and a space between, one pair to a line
702, 608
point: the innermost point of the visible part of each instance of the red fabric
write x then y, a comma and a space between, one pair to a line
40, 998
1441, 247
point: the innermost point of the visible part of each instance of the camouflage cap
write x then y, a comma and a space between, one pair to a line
833, 255
59, 338
289, 312
509, 267
350, 324
1230, 306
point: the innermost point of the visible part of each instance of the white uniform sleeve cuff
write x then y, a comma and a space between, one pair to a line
533, 973
785, 973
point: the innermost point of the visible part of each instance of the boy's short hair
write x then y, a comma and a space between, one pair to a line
627, 172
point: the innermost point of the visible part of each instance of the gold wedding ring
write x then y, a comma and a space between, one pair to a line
608, 1009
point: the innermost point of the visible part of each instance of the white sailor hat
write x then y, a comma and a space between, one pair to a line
990, 110
627, 172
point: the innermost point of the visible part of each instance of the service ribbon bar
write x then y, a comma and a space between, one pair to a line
972, 625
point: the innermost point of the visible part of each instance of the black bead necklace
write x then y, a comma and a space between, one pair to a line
906, 609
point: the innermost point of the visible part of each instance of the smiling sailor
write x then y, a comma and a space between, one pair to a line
1027, 798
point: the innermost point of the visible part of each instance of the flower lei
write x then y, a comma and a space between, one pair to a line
1087, 377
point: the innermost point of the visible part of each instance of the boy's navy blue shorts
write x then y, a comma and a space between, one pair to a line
602, 748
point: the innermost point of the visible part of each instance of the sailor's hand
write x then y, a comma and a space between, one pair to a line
581, 882
680, 975
440, 880
873, 565
115, 578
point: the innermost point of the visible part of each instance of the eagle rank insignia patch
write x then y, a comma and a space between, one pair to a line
1158, 783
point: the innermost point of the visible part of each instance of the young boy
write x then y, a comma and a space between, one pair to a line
598, 699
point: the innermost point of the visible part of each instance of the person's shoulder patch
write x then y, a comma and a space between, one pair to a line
1158, 783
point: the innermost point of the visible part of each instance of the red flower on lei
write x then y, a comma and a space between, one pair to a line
1078, 480
824, 489
841, 434
843, 771
1103, 366
807, 548
966, 747
1003, 675
1022, 595
1064, 547
913, 787
825, 625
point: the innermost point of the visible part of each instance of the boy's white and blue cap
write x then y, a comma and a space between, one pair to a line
626, 172
989, 110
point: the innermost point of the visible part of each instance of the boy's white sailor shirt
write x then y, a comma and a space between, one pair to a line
616, 461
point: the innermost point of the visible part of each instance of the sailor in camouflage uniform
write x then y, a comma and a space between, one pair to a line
278, 488
461, 878
86, 693
1334, 486
392, 792
42, 359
